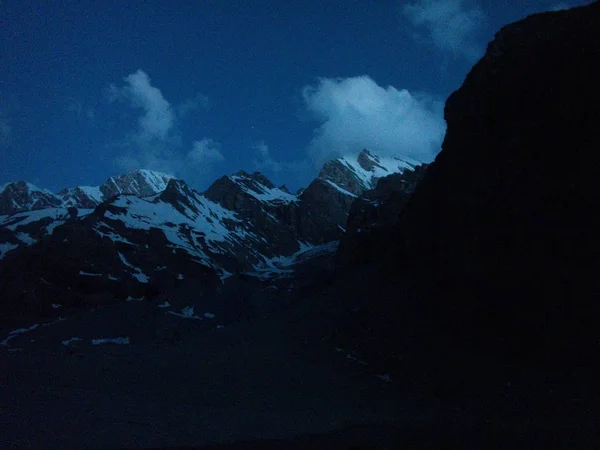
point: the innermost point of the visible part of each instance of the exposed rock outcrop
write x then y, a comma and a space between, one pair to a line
326, 202
141, 183
23, 196
86, 197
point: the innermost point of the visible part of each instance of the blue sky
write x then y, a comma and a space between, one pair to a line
90, 89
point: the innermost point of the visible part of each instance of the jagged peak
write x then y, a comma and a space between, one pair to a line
25, 184
358, 172
24, 196
254, 176
260, 187
369, 167
368, 161
141, 182
179, 186
146, 174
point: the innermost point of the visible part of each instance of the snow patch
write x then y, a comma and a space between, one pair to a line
89, 274
93, 192
382, 167
26, 238
225, 275
140, 276
5, 248
342, 190
137, 272
186, 313
355, 359
14, 333
105, 231
281, 266
157, 180
187, 232
262, 192
73, 339
117, 340
27, 217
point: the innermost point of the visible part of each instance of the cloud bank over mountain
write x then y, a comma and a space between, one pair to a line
156, 142
356, 113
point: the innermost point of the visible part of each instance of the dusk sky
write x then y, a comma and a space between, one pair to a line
199, 89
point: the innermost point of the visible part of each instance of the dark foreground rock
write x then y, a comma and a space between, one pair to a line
502, 226
373, 219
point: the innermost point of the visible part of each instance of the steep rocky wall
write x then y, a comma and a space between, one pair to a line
503, 226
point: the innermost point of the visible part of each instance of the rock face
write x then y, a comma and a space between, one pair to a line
141, 183
22, 196
326, 202
257, 201
502, 225
81, 197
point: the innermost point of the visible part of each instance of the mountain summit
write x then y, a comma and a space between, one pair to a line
23, 196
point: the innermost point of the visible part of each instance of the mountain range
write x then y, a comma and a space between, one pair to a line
387, 305
141, 233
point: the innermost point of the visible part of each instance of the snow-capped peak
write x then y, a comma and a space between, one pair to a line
141, 183
31, 188
81, 197
368, 168
261, 188
157, 180
21, 196
354, 174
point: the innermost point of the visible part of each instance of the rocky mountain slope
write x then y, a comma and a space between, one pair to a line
141, 234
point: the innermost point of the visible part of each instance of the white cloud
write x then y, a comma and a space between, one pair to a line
205, 152
151, 157
450, 24
292, 172
157, 119
157, 143
264, 160
356, 113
